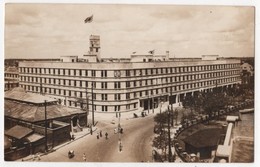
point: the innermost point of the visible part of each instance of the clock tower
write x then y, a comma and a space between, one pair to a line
94, 48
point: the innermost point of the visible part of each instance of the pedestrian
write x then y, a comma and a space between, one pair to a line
115, 130
84, 157
38, 156
106, 134
91, 130
97, 135
100, 133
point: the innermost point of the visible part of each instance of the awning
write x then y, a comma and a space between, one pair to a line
18, 132
34, 137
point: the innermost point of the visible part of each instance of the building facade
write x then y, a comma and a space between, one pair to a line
11, 76
126, 86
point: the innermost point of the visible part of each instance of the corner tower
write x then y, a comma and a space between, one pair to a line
94, 46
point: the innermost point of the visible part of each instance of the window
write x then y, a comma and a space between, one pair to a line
127, 73
80, 72
104, 96
93, 73
117, 85
103, 73
140, 83
104, 85
128, 96
117, 97
140, 72
117, 108
127, 84
93, 84
104, 108
128, 106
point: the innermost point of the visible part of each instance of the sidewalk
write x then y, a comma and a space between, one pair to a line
78, 135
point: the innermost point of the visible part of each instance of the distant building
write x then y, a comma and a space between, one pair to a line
11, 76
112, 85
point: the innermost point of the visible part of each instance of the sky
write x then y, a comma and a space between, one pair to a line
54, 30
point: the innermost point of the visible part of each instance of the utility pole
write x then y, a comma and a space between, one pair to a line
148, 103
87, 106
169, 138
93, 121
46, 124
153, 103
119, 133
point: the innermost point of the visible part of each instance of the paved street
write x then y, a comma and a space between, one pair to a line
136, 140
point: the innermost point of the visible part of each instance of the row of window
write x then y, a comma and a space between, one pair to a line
104, 108
128, 84
118, 96
11, 75
120, 73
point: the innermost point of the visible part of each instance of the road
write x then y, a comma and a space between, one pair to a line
136, 141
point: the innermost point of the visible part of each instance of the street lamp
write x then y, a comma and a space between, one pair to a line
93, 121
45, 117
169, 138
119, 132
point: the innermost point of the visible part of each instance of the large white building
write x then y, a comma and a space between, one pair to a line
126, 85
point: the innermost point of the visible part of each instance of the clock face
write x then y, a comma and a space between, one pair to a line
117, 73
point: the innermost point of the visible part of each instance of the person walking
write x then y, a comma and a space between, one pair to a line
84, 157
97, 135
100, 134
106, 134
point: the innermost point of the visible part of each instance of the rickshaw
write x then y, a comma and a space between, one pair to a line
71, 154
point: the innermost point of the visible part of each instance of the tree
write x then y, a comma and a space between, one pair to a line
162, 128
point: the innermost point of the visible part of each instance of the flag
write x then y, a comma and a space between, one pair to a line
151, 51
89, 19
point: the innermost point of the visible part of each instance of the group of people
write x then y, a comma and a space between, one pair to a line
99, 134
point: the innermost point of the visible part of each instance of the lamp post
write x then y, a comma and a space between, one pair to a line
148, 103
169, 138
93, 121
119, 133
46, 124
87, 109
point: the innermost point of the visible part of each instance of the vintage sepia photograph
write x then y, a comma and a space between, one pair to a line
135, 83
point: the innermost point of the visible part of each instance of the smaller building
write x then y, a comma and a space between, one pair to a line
34, 123
149, 57
69, 59
203, 142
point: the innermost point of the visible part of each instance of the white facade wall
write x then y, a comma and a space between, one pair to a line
183, 76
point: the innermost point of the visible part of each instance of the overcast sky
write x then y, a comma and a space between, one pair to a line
54, 30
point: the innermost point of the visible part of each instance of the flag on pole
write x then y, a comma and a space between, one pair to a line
151, 51
89, 19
